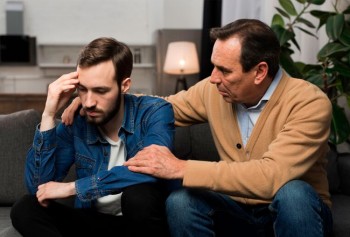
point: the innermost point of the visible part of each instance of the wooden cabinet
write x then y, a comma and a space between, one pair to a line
14, 102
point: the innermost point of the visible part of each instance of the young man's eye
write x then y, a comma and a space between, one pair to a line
101, 91
81, 89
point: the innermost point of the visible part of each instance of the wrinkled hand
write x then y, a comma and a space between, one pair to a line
54, 190
68, 114
157, 161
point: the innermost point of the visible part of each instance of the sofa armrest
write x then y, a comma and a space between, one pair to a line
16, 132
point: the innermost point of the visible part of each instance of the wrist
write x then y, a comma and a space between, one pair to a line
181, 170
47, 122
72, 188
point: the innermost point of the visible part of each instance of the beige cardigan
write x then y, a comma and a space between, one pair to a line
289, 141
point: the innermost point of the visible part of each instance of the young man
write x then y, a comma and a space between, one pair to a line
272, 139
109, 197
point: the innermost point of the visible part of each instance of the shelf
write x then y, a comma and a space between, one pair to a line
71, 65
143, 65
56, 65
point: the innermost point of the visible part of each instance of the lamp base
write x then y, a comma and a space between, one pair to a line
181, 81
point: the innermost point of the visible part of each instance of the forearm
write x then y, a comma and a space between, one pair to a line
109, 182
41, 166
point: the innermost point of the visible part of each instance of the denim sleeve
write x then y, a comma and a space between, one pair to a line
109, 182
158, 124
41, 164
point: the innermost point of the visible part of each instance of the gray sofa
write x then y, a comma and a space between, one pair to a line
195, 142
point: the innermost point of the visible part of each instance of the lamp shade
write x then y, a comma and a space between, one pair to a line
181, 58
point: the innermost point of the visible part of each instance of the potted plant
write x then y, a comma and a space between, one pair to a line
332, 70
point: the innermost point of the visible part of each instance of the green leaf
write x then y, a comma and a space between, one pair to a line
316, 2
283, 13
288, 64
334, 26
277, 20
322, 16
331, 48
315, 79
300, 66
347, 10
307, 32
288, 6
312, 69
342, 68
306, 22
319, 14
282, 34
340, 128
301, 1
295, 43
345, 36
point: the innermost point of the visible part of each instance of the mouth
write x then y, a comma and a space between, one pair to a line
223, 93
92, 113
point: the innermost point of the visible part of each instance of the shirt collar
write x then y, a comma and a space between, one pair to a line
128, 123
273, 85
129, 113
269, 91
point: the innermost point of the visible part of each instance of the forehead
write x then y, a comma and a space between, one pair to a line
102, 74
228, 50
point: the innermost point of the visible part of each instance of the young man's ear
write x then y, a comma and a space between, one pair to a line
125, 85
261, 72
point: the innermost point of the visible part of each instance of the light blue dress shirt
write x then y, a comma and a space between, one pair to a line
247, 117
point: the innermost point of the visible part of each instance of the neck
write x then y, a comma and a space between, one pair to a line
111, 128
263, 87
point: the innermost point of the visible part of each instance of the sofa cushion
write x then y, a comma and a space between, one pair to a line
195, 143
202, 143
332, 172
16, 134
341, 211
344, 172
182, 143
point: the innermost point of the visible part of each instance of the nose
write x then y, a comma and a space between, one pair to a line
90, 100
215, 76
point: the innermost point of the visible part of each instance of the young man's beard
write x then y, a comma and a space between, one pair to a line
108, 116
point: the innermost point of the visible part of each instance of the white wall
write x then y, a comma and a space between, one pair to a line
60, 24
80, 21
265, 9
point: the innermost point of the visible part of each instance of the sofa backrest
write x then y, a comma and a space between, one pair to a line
195, 142
16, 136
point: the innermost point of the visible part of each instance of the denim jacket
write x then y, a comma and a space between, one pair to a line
147, 120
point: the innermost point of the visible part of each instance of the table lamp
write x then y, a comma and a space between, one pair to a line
181, 59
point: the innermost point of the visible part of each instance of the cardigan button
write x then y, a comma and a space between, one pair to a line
239, 146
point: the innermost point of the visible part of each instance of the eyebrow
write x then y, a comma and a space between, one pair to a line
96, 88
222, 68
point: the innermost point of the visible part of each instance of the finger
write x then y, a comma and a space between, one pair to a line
71, 75
144, 170
43, 202
68, 114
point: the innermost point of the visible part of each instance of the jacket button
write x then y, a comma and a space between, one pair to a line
239, 146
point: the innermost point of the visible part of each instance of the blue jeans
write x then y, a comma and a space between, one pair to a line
296, 210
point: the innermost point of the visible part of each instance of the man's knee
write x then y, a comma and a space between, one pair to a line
20, 211
295, 202
295, 193
179, 203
